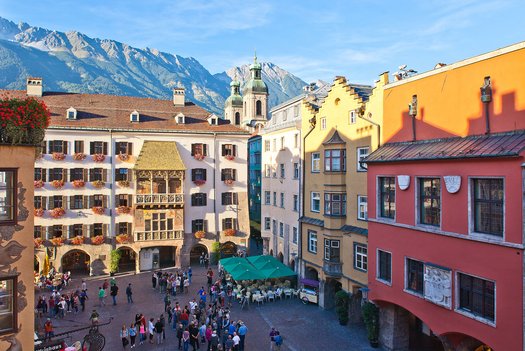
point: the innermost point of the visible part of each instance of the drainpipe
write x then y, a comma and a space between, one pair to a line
216, 220
111, 176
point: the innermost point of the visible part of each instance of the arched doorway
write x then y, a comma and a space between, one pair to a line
228, 249
271, 252
127, 260
280, 257
76, 261
331, 286
311, 273
196, 252
292, 264
36, 265
237, 118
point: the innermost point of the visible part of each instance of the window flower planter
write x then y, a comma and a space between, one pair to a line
58, 156
229, 232
23, 120
77, 240
123, 209
98, 210
39, 212
199, 157
123, 157
123, 183
38, 242
78, 183
200, 234
98, 157
229, 157
57, 212
97, 240
39, 184
98, 184
229, 182
123, 238
57, 241
199, 182
79, 156
57, 184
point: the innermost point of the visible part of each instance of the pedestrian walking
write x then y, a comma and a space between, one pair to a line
48, 329
278, 339
185, 340
132, 332
272, 339
158, 331
242, 335
101, 296
124, 336
190, 274
180, 331
151, 330
142, 332
94, 317
129, 293
114, 292
214, 341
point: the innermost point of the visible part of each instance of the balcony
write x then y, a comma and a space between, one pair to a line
159, 235
159, 199
333, 269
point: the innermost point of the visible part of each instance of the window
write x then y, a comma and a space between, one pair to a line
335, 160
198, 199
267, 145
267, 223
267, 171
387, 197
488, 206
316, 202
296, 203
37, 231
229, 150
8, 196
56, 231
267, 196
316, 162
282, 143
274, 172
79, 146
285, 115
274, 227
296, 140
97, 229
9, 310
429, 201
229, 173
282, 169
122, 174
323, 123
198, 174
331, 250
76, 202
296, 110
362, 207
362, 153
96, 174
477, 296
124, 228
334, 204
98, 147
158, 221
352, 117
39, 202
282, 200
98, 200
275, 198
57, 146
360, 257
296, 170
414, 275
384, 266
56, 174
258, 108
123, 200
76, 174
199, 149
123, 148
75, 230
230, 198
295, 235
40, 174
312, 241
229, 223
198, 225
274, 145
281, 229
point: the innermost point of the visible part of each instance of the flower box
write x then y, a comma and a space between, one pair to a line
98, 210
38, 242
229, 157
123, 183
97, 240
123, 209
123, 238
79, 156
199, 157
79, 183
123, 157
39, 184
39, 212
229, 182
77, 240
200, 234
58, 156
199, 182
57, 241
57, 212
98, 157
58, 184
229, 232
98, 184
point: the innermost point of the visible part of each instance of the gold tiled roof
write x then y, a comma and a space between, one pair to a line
159, 156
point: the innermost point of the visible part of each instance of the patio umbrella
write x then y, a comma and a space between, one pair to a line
245, 273
230, 260
277, 272
233, 265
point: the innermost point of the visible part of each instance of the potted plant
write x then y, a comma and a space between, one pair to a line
79, 156
57, 241
371, 318
122, 238
23, 120
200, 234
199, 157
58, 184
58, 156
57, 212
97, 240
341, 306
123, 209
98, 184
98, 157
123, 183
39, 184
123, 157
114, 260
199, 182
79, 183
229, 232
77, 240
98, 210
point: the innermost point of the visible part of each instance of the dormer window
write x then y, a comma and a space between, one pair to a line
213, 120
71, 113
134, 116
180, 118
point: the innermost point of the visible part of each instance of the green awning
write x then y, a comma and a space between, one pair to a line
255, 268
277, 272
159, 156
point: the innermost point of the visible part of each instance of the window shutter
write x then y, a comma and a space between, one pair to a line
192, 149
85, 201
64, 202
64, 174
44, 202
223, 224
85, 174
85, 230
223, 150
235, 150
205, 225
44, 174
192, 174
105, 229
117, 232
92, 148
71, 230
204, 171
72, 202
234, 223
64, 146
91, 230
235, 199
104, 175
90, 201
205, 149
105, 148
223, 198
130, 200
204, 199
105, 201
222, 175
193, 199
129, 229
234, 171
130, 148
49, 202
49, 147
64, 231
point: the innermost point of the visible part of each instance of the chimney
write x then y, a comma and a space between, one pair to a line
178, 96
34, 86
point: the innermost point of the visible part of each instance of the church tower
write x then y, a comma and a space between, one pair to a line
255, 99
233, 104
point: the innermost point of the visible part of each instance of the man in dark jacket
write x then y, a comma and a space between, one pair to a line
158, 331
114, 292
129, 293
194, 336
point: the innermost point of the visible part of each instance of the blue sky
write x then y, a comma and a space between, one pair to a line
311, 39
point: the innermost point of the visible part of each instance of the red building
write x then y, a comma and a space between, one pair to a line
446, 207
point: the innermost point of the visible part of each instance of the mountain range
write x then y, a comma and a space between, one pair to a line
74, 62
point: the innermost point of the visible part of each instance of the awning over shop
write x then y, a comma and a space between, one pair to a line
255, 268
159, 156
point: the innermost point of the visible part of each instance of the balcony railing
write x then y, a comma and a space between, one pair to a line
334, 269
159, 235
164, 199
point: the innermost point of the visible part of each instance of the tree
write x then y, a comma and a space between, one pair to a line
341, 306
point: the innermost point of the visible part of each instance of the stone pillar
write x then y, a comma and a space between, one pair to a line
393, 328
322, 294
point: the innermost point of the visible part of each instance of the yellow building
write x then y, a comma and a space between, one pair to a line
337, 134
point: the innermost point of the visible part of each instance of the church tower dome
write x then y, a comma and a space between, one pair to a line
255, 84
233, 104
